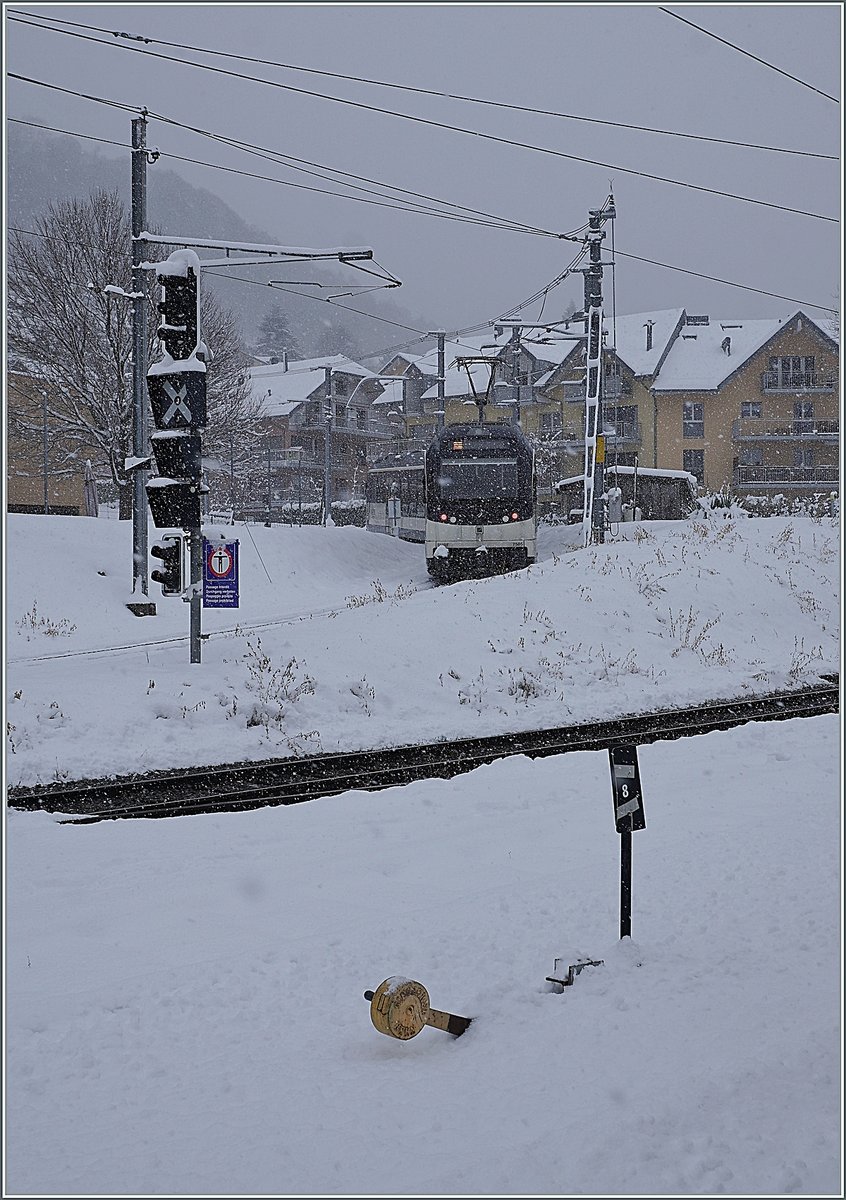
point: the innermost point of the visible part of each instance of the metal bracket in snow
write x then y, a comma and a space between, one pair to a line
571, 971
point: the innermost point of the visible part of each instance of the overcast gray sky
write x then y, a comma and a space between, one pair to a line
632, 63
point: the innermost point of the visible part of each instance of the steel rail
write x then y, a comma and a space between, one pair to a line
236, 787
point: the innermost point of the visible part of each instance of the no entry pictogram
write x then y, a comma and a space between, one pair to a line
221, 562
220, 574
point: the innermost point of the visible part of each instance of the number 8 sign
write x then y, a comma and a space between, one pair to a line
625, 780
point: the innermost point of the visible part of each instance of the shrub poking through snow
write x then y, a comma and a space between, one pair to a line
31, 623
721, 505
274, 689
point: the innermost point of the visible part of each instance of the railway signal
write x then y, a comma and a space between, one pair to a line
179, 327
171, 577
176, 385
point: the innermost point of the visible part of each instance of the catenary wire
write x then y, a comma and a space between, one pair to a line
288, 160
444, 125
748, 54
728, 282
401, 206
404, 87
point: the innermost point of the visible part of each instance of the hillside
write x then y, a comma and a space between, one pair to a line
43, 169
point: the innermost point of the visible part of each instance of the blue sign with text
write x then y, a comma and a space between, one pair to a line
220, 574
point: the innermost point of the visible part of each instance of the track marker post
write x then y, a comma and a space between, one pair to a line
629, 816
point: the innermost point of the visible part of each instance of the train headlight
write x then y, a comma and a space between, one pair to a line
443, 516
515, 516
505, 518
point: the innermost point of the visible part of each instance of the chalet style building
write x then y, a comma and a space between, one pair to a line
752, 405
304, 402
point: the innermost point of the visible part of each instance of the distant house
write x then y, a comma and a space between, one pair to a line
44, 473
303, 401
749, 404
635, 349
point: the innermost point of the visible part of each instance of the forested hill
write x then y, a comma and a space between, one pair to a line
43, 168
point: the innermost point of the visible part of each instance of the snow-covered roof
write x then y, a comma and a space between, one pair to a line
656, 472
554, 350
630, 341
456, 382
631, 337
282, 390
697, 360
392, 395
338, 362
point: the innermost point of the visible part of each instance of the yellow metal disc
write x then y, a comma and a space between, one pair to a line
400, 1007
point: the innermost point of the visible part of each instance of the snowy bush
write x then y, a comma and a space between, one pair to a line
275, 689
818, 506
721, 505
31, 623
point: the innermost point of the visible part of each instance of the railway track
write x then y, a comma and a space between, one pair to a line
240, 786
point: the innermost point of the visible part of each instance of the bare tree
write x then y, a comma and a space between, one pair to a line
234, 416
73, 335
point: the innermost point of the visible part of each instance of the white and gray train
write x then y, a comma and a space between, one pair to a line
470, 498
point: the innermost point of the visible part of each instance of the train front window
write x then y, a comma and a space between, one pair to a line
472, 479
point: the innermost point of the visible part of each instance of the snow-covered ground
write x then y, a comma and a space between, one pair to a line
185, 1011
341, 643
184, 998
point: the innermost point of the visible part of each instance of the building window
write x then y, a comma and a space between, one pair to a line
623, 420
750, 408
791, 371
751, 456
694, 462
693, 420
803, 457
550, 422
339, 385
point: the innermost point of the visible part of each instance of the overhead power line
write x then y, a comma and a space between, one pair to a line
438, 125
729, 282
422, 91
467, 215
310, 168
740, 50
504, 316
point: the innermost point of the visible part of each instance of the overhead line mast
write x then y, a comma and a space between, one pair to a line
593, 513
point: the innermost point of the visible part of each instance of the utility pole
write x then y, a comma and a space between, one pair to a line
593, 519
440, 335
269, 494
139, 356
44, 449
515, 371
327, 451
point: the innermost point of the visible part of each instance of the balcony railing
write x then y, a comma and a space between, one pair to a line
749, 429
615, 386
825, 474
623, 431
372, 428
798, 381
